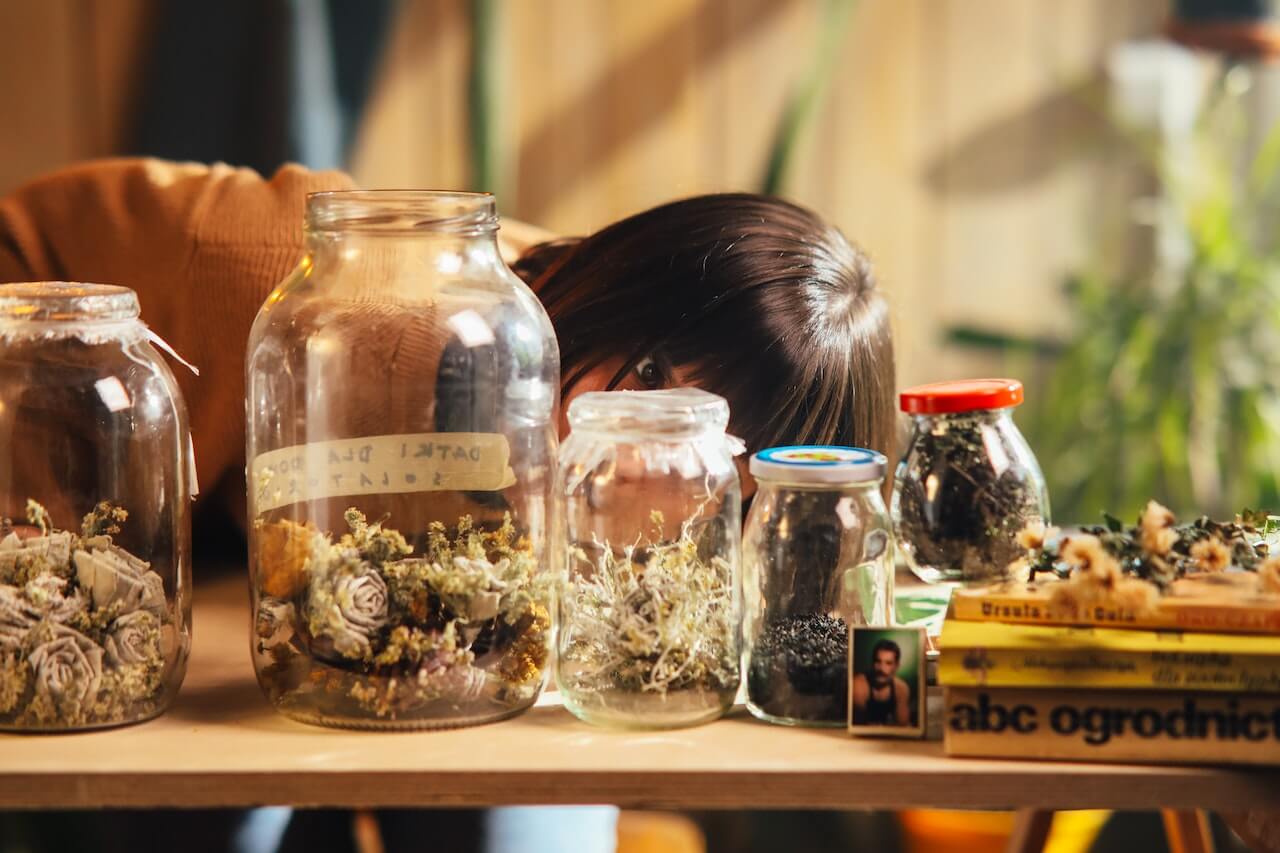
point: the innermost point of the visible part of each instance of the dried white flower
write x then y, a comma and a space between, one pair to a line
349, 608
113, 576
68, 671
16, 618
134, 639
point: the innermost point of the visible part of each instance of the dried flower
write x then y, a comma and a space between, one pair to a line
1156, 523
349, 608
274, 622
84, 627
16, 619
103, 519
395, 632
1035, 534
134, 639
113, 576
525, 659
1211, 555
652, 618
1081, 552
39, 516
21, 560
67, 670
49, 598
283, 549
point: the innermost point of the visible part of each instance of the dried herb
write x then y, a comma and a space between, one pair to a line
799, 669
86, 633
653, 617
1159, 550
364, 620
957, 514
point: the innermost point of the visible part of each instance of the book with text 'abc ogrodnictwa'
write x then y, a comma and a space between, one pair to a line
993, 654
1138, 726
1222, 602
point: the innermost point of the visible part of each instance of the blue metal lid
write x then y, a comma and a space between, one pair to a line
818, 463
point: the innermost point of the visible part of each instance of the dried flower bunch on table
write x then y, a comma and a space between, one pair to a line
651, 623
1131, 567
464, 625
85, 631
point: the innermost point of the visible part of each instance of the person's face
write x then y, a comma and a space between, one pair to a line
884, 667
647, 376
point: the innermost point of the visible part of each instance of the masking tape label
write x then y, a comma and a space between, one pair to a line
382, 465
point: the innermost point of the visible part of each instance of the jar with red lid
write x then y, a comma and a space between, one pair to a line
968, 482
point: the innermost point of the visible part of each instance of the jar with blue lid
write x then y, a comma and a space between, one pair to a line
816, 559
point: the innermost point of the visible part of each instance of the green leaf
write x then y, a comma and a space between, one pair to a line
804, 99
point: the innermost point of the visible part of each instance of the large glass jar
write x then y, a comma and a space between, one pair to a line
649, 632
968, 482
817, 557
95, 493
402, 385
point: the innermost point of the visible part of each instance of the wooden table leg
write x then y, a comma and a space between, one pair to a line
1187, 830
1030, 830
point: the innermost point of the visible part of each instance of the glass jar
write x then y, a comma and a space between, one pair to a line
967, 484
95, 493
649, 633
816, 558
402, 386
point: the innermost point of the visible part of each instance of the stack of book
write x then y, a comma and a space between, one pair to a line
1194, 681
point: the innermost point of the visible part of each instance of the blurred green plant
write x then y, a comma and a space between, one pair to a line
483, 75
802, 103
1169, 384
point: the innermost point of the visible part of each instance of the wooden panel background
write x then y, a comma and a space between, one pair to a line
943, 144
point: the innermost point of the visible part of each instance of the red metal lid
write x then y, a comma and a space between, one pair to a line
965, 395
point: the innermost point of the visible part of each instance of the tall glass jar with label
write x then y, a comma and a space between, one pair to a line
817, 558
649, 633
96, 479
402, 385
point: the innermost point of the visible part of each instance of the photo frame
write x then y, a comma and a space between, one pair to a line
887, 681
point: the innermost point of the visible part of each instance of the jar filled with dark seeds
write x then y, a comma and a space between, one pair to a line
967, 483
817, 558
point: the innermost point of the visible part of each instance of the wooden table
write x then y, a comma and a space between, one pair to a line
222, 745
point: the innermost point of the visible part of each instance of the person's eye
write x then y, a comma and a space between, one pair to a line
649, 373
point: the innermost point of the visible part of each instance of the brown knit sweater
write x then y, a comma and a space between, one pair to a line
201, 245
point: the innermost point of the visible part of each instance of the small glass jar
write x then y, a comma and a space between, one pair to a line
402, 391
817, 557
95, 493
649, 631
967, 484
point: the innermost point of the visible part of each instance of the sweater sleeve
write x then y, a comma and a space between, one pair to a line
201, 245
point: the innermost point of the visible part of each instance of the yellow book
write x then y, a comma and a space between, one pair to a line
1226, 603
993, 654
1155, 727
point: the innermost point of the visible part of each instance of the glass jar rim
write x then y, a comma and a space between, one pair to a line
403, 212
66, 302
665, 412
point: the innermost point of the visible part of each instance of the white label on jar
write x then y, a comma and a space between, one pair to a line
382, 465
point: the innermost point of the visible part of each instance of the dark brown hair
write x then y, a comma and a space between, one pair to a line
758, 299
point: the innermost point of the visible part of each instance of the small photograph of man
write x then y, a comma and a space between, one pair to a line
886, 686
